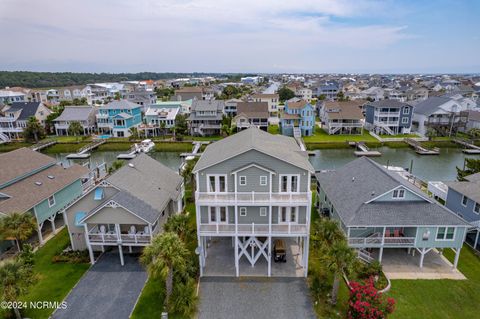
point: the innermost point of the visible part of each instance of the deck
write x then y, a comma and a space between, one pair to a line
421, 150
83, 152
470, 148
252, 229
363, 150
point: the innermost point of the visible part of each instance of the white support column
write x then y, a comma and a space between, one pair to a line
120, 252
269, 256
457, 256
237, 270
200, 253
476, 239
306, 243
90, 251
380, 255
39, 231
52, 221
422, 254
130, 249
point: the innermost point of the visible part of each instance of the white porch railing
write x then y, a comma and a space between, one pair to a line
253, 229
251, 197
112, 237
377, 241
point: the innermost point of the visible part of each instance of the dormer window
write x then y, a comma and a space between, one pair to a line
398, 193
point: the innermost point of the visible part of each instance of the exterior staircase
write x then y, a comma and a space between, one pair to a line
386, 129
297, 133
365, 256
4, 138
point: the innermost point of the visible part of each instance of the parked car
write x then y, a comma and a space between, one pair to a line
279, 251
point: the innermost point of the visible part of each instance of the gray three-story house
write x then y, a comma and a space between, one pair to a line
389, 117
253, 188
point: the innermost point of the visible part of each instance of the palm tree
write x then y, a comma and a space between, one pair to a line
133, 133
326, 232
17, 226
178, 224
162, 128
166, 254
34, 129
75, 128
16, 278
339, 259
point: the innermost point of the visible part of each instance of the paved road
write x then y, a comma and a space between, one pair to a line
232, 298
107, 290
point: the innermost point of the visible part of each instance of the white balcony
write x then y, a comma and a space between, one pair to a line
253, 198
101, 116
253, 229
7, 119
397, 113
378, 242
108, 125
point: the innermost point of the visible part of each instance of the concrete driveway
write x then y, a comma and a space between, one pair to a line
279, 298
107, 290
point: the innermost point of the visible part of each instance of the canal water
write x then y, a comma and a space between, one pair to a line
429, 168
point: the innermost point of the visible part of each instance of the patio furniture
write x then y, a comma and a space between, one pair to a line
387, 233
132, 231
102, 229
396, 233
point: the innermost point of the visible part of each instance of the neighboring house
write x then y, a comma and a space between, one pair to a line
392, 94
252, 188
373, 93
206, 117
272, 100
304, 94
184, 106
473, 120
70, 93
159, 119
17, 115
127, 209
191, 93
378, 209
85, 115
141, 97
342, 117
118, 117
8, 96
417, 94
231, 107
443, 114
298, 119
252, 80
330, 91
388, 117
33, 183
252, 114
463, 198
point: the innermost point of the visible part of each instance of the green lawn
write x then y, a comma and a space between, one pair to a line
398, 135
54, 280
441, 298
321, 136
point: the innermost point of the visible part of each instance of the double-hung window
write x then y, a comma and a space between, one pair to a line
263, 180
476, 208
464, 201
445, 233
243, 180
289, 183
51, 201
398, 193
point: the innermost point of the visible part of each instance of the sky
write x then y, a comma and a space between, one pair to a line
245, 36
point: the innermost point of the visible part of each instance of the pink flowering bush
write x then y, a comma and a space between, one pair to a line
367, 303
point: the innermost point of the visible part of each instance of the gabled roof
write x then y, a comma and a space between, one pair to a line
430, 105
351, 188
344, 110
469, 188
28, 109
148, 180
208, 105
253, 109
75, 113
120, 105
296, 105
281, 147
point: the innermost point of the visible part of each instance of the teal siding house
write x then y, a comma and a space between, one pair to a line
118, 117
298, 119
33, 183
378, 209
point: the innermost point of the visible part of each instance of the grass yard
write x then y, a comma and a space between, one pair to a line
55, 280
441, 298
398, 135
273, 129
321, 136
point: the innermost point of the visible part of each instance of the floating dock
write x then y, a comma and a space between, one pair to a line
362, 150
195, 152
419, 149
41, 145
132, 153
470, 148
83, 153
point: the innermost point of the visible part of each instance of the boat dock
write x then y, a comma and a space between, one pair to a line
419, 149
470, 148
41, 145
132, 153
84, 151
196, 147
362, 150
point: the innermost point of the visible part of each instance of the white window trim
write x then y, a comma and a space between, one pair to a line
404, 120
398, 190
289, 183
445, 235
264, 210
288, 212
242, 180
263, 178
243, 211
54, 201
474, 206
217, 182
406, 110
217, 215
464, 197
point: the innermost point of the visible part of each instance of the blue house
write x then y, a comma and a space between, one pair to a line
33, 183
463, 198
388, 117
118, 117
298, 119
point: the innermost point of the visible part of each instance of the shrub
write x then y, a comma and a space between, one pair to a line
72, 257
366, 271
367, 303
184, 298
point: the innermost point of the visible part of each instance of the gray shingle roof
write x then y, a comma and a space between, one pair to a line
469, 188
120, 105
28, 109
430, 105
208, 105
75, 113
388, 103
279, 146
136, 206
362, 180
